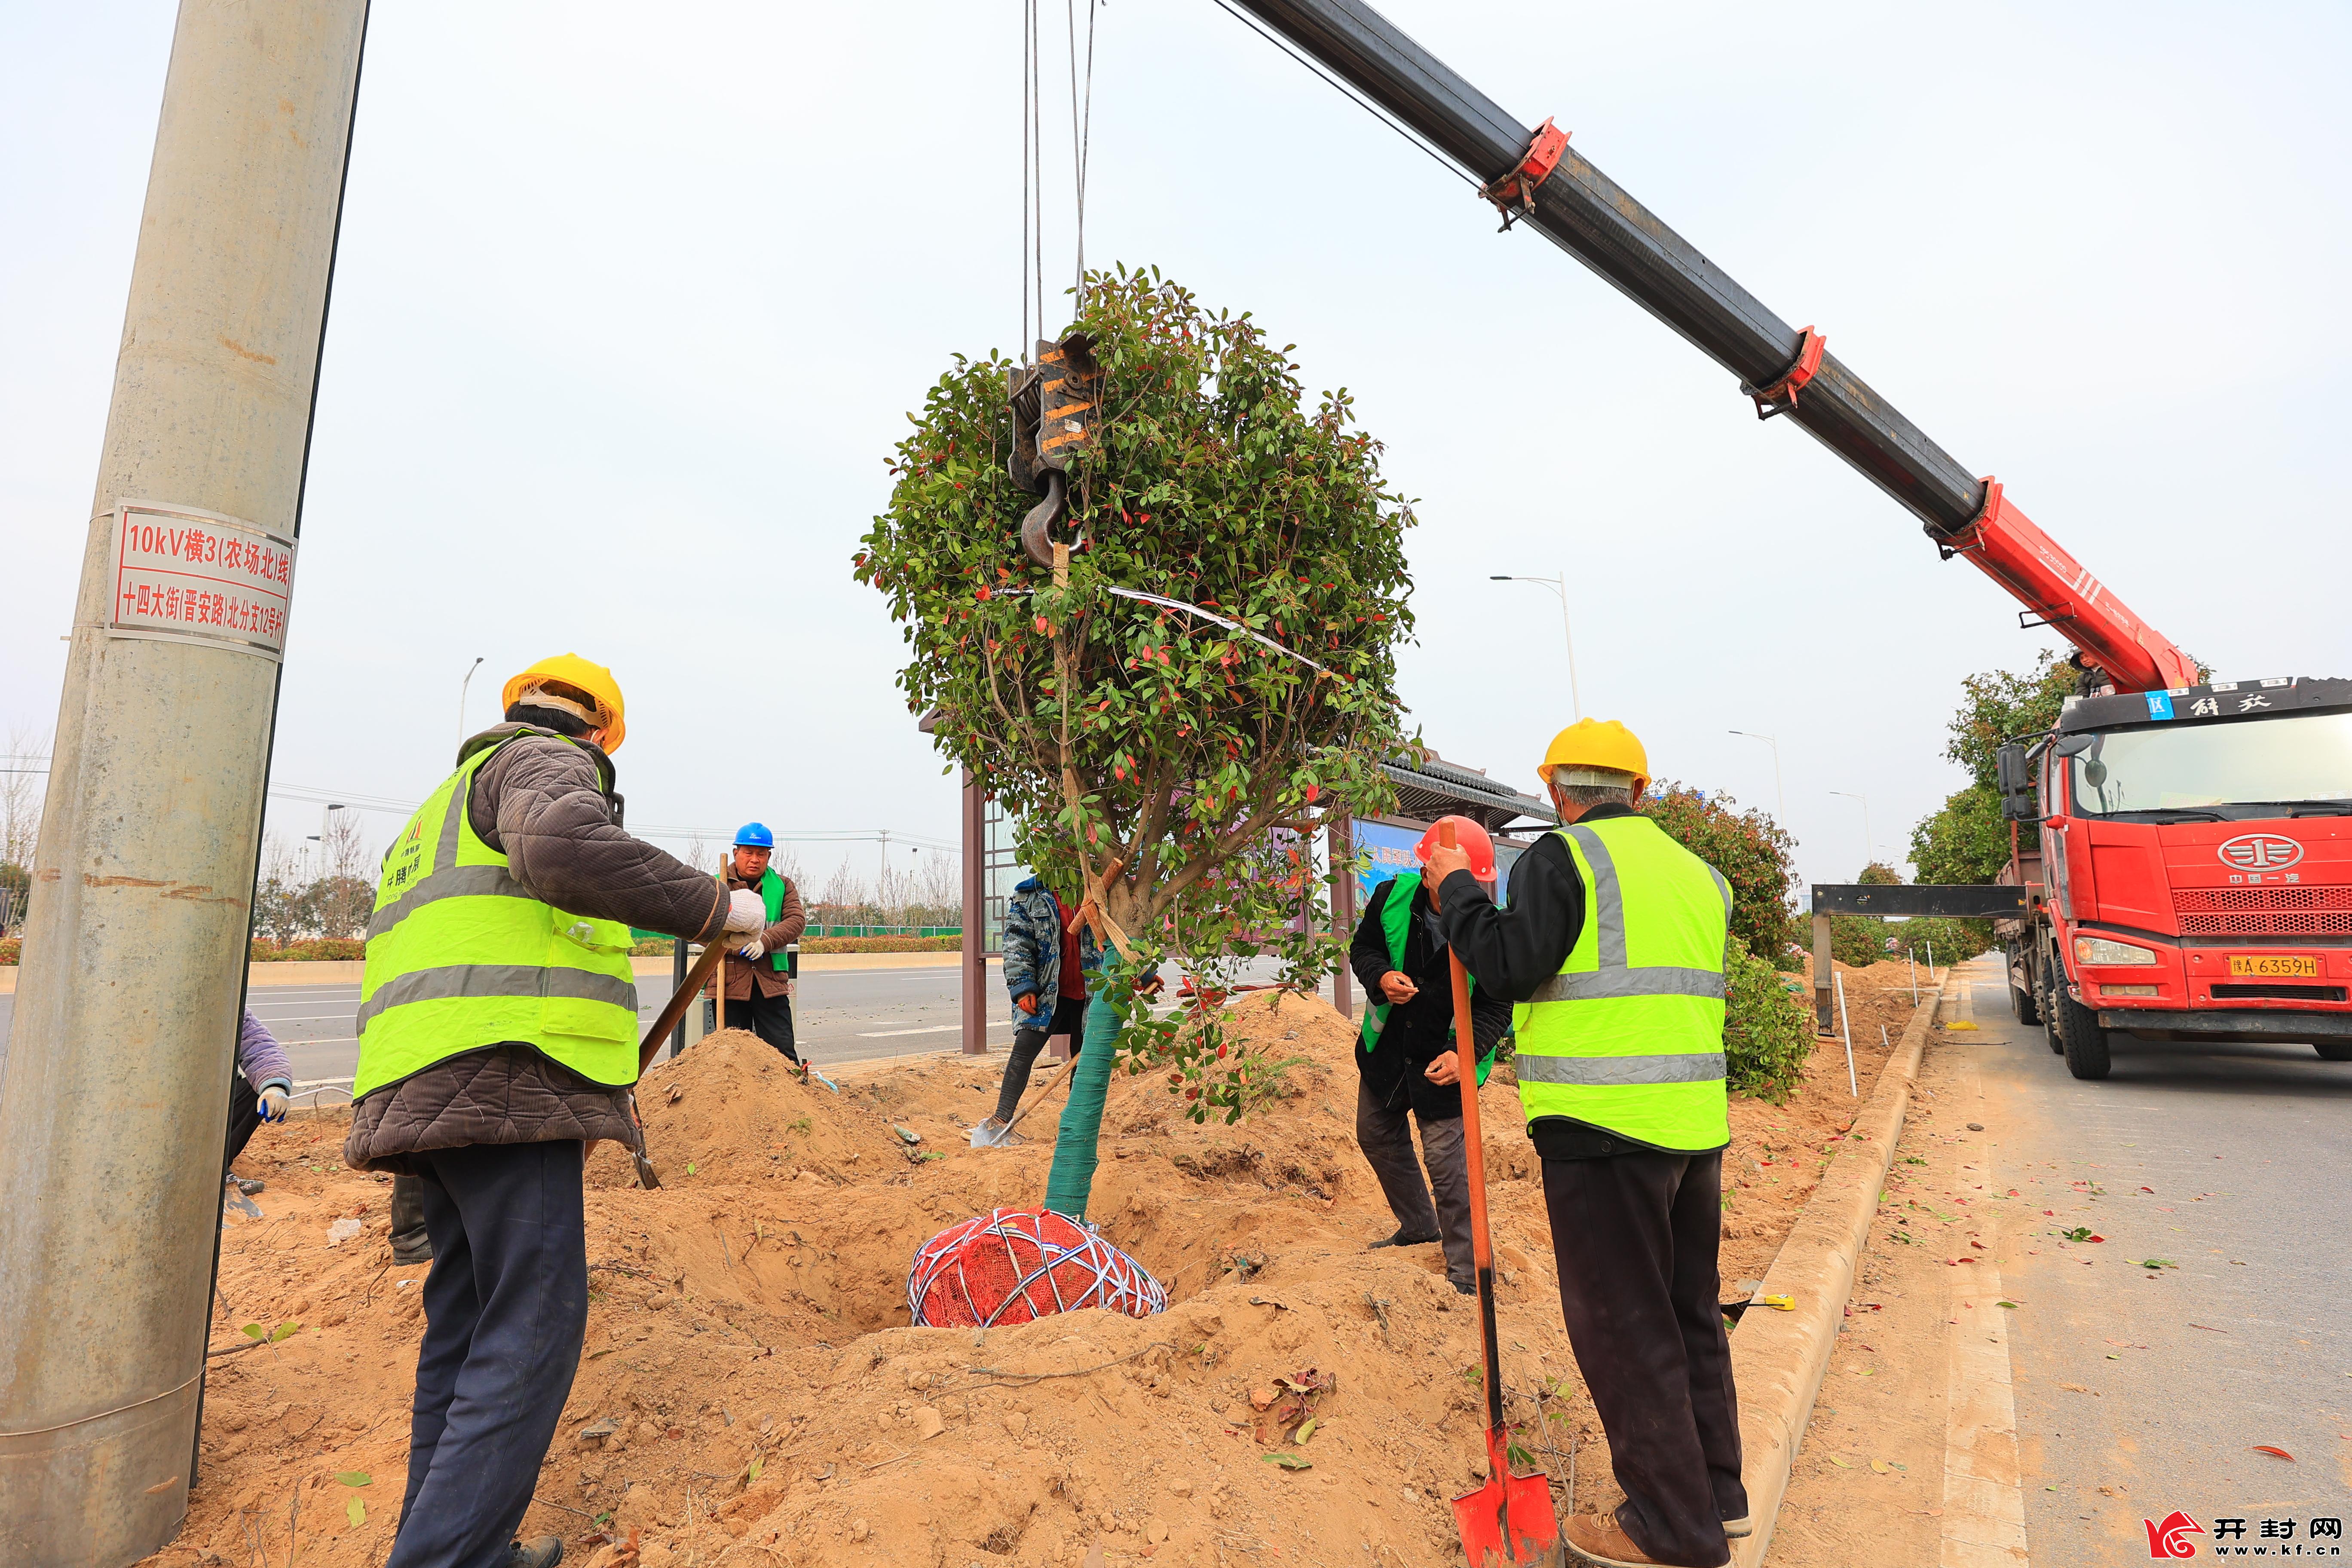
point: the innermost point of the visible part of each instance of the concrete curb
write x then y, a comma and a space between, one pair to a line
1777, 1359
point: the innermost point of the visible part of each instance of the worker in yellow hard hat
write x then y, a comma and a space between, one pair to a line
1612, 946
497, 1035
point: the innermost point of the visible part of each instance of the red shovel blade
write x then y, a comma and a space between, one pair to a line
1508, 1524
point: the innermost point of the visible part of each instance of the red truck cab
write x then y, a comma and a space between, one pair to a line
2188, 858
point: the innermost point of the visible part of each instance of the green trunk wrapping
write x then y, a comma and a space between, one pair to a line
1077, 1147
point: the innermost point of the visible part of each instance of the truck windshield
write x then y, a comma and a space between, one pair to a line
2219, 769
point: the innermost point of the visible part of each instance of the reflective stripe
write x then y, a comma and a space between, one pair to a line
445, 849
1659, 980
1688, 1067
454, 882
503, 980
1608, 900
1721, 886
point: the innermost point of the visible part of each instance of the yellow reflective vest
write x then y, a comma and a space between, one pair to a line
1629, 1035
459, 956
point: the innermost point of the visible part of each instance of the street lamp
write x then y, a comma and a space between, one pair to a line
462, 687
1869, 845
320, 838
1559, 586
1780, 798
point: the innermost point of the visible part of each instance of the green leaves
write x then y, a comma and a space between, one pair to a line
355, 1508
356, 1478
1288, 1460
282, 1331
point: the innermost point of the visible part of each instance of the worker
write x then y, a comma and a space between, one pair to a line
1612, 948
1406, 1058
1041, 937
497, 1036
258, 1092
760, 986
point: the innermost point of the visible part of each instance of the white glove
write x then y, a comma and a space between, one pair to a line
746, 911
750, 951
273, 1104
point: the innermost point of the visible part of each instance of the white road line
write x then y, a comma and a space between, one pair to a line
887, 1033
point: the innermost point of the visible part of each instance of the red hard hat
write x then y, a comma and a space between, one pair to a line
1469, 838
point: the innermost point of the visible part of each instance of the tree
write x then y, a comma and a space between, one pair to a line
1967, 841
1747, 847
1152, 753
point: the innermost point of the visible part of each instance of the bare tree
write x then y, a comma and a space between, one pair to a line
23, 777
344, 894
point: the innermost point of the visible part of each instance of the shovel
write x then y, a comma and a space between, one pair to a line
675, 1009
1509, 1521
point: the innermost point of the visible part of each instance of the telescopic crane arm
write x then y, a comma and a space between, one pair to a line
1534, 177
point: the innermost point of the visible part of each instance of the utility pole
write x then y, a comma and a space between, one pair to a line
1558, 585
113, 1107
1780, 797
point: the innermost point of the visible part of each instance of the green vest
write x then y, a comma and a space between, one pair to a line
460, 957
771, 892
1396, 919
1629, 1035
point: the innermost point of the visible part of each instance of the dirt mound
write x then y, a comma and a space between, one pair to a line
766, 1404
733, 1110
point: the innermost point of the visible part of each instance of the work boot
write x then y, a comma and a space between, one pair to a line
1599, 1540
1402, 1239
1736, 1529
410, 1244
1461, 1288
545, 1552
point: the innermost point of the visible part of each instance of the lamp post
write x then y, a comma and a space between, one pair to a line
1559, 586
463, 687
326, 819
1780, 798
1868, 843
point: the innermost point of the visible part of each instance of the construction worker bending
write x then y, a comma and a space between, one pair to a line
759, 973
498, 1034
1613, 945
1406, 1059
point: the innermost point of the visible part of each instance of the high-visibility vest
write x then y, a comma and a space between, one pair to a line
772, 888
1629, 1035
459, 956
1396, 919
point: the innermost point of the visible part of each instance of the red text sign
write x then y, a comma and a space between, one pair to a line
182, 574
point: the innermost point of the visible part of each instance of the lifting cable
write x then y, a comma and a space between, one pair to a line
1033, 156
1354, 97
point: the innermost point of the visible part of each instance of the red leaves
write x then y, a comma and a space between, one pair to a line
1042, 628
2281, 1453
1312, 792
983, 593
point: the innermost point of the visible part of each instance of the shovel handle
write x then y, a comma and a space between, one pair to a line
676, 1007
1482, 1244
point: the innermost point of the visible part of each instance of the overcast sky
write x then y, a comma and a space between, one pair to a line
631, 303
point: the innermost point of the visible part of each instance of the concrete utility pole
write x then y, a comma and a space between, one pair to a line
115, 1099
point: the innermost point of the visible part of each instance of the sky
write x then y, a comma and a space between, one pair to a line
630, 305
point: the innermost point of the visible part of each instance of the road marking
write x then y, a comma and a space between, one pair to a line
887, 1033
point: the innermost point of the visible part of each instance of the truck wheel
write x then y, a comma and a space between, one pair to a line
2021, 1002
2086, 1044
2333, 1050
2048, 1013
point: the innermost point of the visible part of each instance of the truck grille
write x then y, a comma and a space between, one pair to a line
2263, 911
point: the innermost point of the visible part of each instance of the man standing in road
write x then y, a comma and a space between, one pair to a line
759, 976
498, 1034
1613, 947
1407, 1061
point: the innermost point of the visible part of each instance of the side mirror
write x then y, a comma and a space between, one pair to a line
2015, 778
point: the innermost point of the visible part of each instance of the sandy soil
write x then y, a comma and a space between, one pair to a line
766, 1403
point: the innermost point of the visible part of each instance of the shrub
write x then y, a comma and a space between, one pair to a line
1747, 847
1956, 941
882, 945
11, 950
314, 950
1767, 1035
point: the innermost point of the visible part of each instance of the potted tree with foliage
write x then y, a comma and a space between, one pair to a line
1204, 677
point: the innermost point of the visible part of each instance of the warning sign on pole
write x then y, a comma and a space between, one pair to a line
185, 576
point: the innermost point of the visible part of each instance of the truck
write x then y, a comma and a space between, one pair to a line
2181, 848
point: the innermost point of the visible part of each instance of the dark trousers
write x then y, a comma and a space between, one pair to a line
1387, 1144
1635, 1237
1070, 1017
770, 1017
506, 1307
243, 1116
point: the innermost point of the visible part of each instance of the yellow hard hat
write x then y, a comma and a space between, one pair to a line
563, 682
1601, 744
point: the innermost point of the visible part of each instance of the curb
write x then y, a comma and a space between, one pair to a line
1778, 1359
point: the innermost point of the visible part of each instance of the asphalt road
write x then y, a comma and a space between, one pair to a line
841, 1015
2227, 1166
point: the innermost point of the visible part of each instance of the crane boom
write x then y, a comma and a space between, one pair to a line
1536, 178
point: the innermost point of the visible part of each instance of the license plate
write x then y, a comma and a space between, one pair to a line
2275, 966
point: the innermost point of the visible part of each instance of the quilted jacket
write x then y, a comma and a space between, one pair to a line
543, 802
1033, 949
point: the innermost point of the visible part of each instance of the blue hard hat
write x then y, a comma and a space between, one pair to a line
755, 835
